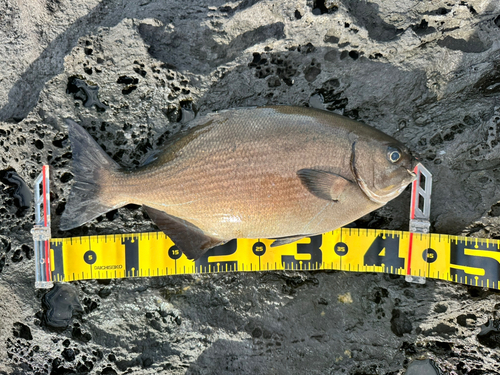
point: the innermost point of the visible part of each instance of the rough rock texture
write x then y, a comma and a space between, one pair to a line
133, 73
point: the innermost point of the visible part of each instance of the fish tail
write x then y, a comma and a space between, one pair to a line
92, 168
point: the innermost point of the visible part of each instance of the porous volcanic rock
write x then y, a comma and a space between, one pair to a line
135, 72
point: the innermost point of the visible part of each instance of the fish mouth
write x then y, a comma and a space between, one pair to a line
374, 197
412, 174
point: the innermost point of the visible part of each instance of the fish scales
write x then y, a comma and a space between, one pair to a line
268, 172
263, 184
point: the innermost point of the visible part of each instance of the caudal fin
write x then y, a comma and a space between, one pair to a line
91, 165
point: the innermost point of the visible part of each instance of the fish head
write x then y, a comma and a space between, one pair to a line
382, 166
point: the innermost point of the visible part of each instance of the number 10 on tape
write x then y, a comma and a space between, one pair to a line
415, 254
459, 259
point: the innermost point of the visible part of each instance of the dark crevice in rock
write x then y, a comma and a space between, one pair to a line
472, 45
367, 16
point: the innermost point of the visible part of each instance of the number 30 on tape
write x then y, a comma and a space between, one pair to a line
459, 259
416, 254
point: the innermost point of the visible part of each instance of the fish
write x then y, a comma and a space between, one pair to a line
276, 172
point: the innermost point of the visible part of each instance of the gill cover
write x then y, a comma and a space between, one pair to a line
382, 169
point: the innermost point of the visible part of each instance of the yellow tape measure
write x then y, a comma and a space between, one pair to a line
459, 259
416, 254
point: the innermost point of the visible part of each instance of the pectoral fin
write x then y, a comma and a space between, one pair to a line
286, 240
190, 239
323, 184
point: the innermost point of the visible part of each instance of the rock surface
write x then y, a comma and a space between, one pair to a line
134, 72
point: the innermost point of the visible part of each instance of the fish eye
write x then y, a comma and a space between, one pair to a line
393, 154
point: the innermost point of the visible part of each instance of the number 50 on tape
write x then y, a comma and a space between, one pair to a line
415, 254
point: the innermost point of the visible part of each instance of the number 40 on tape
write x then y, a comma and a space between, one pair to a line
330, 250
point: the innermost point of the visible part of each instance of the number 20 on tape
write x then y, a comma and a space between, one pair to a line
459, 259
415, 254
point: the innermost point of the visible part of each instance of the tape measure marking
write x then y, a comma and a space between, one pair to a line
458, 259
416, 254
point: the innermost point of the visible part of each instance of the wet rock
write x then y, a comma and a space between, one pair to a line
472, 45
400, 323
61, 305
18, 189
127, 90
439, 308
466, 320
127, 80
423, 28
109, 371
104, 292
490, 334
88, 94
78, 334
68, 354
423, 367
22, 331
443, 329
311, 73
324, 7
273, 81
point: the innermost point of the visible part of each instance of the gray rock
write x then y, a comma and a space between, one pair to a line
424, 72
422, 367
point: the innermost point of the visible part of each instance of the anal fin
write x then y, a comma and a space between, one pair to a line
190, 239
286, 240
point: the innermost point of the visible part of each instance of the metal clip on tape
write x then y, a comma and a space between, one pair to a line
419, 213
41, 231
